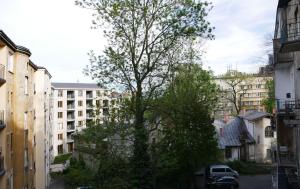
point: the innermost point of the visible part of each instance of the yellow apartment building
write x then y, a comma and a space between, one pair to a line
25, 141
250, 92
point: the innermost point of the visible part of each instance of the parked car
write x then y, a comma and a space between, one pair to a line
214, 172
225, 182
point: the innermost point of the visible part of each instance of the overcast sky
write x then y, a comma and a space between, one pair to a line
59, 36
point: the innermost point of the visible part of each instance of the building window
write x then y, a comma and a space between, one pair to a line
269, 133
60, 115
80, 103
98, 93
258, 139
79, 113
60, 136
60, 149
10, 63
60, 104
26, 85
80, 93
25, 121
60, 93
80, 123
60, 126
228, 153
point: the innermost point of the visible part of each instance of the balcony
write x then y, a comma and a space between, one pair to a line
2, 124
290, 35
2, 75
70, 106
70, 95
89, 94
70, 139
287, 106
71, 127
2, 168
70, 116
286, 158
280, 57
89, 106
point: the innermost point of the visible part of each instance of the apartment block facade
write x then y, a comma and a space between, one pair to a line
250, 94
74, 106
24, 114
287, 91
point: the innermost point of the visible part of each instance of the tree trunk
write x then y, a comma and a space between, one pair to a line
141, 158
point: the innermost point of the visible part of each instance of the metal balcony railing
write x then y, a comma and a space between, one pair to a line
2, 168
70, 117
292, 30
89, 95
70, 96
71, 106
287, 105
280, 57
290, 35
71, 127
70, 139
2, 74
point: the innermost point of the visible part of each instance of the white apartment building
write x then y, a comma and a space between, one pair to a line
74, 106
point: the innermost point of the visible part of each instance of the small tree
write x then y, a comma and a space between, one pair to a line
269, 102
145, 39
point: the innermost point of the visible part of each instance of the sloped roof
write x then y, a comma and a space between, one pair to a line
75, 86
252, 116
232, 134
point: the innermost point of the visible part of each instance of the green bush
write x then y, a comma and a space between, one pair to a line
62, 158
78, 174
249, 167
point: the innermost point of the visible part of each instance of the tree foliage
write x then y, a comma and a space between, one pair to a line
145, 40
269, 102
187, 141
108, 145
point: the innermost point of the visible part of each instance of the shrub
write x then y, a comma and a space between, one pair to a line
248, 167
62, 158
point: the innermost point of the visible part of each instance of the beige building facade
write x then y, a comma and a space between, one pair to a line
250, 94
23, 149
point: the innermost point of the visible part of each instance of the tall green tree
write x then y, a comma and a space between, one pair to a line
144, 41
187, 141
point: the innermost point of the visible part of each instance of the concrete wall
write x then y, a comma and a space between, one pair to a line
42, 130
262, 143
284, 82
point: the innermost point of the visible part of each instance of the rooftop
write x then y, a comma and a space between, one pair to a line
255, 115
75, 86
232, 134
